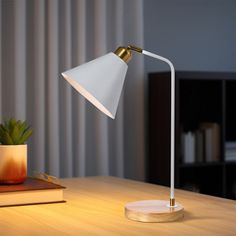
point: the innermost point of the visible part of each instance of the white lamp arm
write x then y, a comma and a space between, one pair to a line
172, 169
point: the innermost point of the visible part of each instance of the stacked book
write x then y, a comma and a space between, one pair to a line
230, 151
188, 147
32, 191
201, 145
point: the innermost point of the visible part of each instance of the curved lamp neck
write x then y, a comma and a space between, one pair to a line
125, 54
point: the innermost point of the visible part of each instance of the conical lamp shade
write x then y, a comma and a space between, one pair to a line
100, 81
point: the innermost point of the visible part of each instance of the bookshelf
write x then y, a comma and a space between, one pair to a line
203, 100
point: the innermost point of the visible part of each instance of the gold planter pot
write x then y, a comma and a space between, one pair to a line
13, 164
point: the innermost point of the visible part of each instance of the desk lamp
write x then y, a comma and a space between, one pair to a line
100, 81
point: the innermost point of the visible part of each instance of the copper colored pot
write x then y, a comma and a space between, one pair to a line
13, 164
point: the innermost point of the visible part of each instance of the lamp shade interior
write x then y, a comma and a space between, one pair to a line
100, 81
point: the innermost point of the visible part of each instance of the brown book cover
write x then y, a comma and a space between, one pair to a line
32, 191
212, 141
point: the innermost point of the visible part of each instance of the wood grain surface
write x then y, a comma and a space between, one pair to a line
95, 206
153, 211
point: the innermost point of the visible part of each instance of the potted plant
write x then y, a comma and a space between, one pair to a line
13, 151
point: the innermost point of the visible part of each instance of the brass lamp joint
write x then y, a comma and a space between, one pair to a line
135, 48
172, 202
125, 52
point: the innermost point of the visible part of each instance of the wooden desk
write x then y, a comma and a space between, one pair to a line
95, 206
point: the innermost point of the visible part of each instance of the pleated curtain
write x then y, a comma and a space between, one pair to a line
42, 38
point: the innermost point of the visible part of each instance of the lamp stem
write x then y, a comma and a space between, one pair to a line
172, 135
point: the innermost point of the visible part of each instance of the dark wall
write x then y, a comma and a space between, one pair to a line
194, 34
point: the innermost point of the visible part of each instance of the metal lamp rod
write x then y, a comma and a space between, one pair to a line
125, 54
172, 135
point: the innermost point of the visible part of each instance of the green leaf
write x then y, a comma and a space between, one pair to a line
25, 136
22, 127
1, 140
11, 124
15, 135
3, 128
2, 133
6, 139
14, 131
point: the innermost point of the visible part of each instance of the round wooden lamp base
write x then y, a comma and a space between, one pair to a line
153, 211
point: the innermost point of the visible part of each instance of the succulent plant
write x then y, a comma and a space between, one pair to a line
14, 132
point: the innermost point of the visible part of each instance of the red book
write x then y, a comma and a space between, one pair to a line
32, 191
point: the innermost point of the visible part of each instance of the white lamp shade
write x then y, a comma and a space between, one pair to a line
100, 81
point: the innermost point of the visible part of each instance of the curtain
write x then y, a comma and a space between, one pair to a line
42, 38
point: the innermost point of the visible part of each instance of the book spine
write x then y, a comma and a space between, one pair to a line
209, 154
199, 146
188, 146
211, 142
